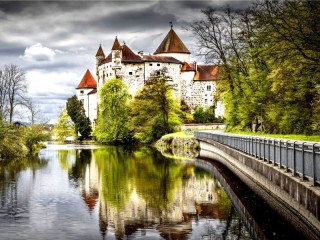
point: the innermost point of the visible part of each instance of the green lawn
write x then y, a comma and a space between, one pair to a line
315, 138
177, 134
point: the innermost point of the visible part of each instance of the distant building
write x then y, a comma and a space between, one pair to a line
21, 123
193, 83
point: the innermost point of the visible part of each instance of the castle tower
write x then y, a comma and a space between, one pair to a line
87, 94
99, 58
116, 54
172, 46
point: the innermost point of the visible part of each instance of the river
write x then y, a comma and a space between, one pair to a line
92, 192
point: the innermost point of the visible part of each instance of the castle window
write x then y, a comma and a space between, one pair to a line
81, 92
130, 73
158, 73
107, 74
208, 87
110, 74
150, 64
206, 101
158, 64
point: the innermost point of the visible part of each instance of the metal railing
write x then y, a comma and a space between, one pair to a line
300, 158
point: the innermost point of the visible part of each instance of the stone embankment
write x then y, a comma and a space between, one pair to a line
184, 147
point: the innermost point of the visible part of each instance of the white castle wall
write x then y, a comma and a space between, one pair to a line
89, 102
183, 57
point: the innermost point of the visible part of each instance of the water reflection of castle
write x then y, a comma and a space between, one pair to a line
193, 197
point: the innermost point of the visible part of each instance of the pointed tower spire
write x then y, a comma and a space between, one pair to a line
99, 58
172, 44
100, 52
116, 45
87, 81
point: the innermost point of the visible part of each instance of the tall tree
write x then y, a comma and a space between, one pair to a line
112, 124
77, 113
269, 56
154, 111
14, 89
64, 126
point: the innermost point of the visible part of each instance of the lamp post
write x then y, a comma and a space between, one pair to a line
260, 104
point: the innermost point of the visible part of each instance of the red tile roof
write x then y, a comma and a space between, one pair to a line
206, 73
188, 67
172, 44
149, 58
87, 81
116, 45
100, 52
93, 91
128, 54
107, 59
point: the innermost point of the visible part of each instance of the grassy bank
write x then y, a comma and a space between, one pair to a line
315, 138
177, 134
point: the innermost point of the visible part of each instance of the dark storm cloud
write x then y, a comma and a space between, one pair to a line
68, 33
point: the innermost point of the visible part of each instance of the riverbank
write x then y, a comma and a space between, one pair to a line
178, 145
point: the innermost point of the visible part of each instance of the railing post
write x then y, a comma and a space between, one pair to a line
287, 157
269, 155
264, 149
303, 175
294, 158
280, 155
313, 181
274, 152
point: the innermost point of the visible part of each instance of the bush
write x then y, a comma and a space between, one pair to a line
202, 115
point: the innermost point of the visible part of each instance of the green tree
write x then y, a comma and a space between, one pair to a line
154, 111
112, 125
77, 113
269, 58
33, 136
64, 126
203, 115
11, 146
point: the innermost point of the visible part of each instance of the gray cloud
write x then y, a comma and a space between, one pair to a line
69, 33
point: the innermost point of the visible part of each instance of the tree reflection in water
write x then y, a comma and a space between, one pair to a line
139, 190
9, 174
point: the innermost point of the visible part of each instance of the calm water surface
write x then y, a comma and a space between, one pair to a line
88, 192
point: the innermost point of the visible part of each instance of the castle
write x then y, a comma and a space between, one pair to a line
193, 83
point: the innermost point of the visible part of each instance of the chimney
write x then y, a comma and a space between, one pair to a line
195, 66
140, 53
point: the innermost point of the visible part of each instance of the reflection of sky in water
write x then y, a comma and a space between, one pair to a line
52, 209
49, 203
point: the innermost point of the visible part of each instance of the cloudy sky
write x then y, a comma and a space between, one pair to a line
56, 42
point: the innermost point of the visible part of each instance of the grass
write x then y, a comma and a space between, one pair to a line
298, 137
177, 134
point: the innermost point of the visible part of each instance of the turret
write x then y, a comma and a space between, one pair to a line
116, 54
99, 58
172, 46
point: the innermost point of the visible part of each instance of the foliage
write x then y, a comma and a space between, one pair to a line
11, 146
269, 58
18, 142
64, 126
77, 114
154, 111
185, 114
33, 137
202, 115
112, 125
